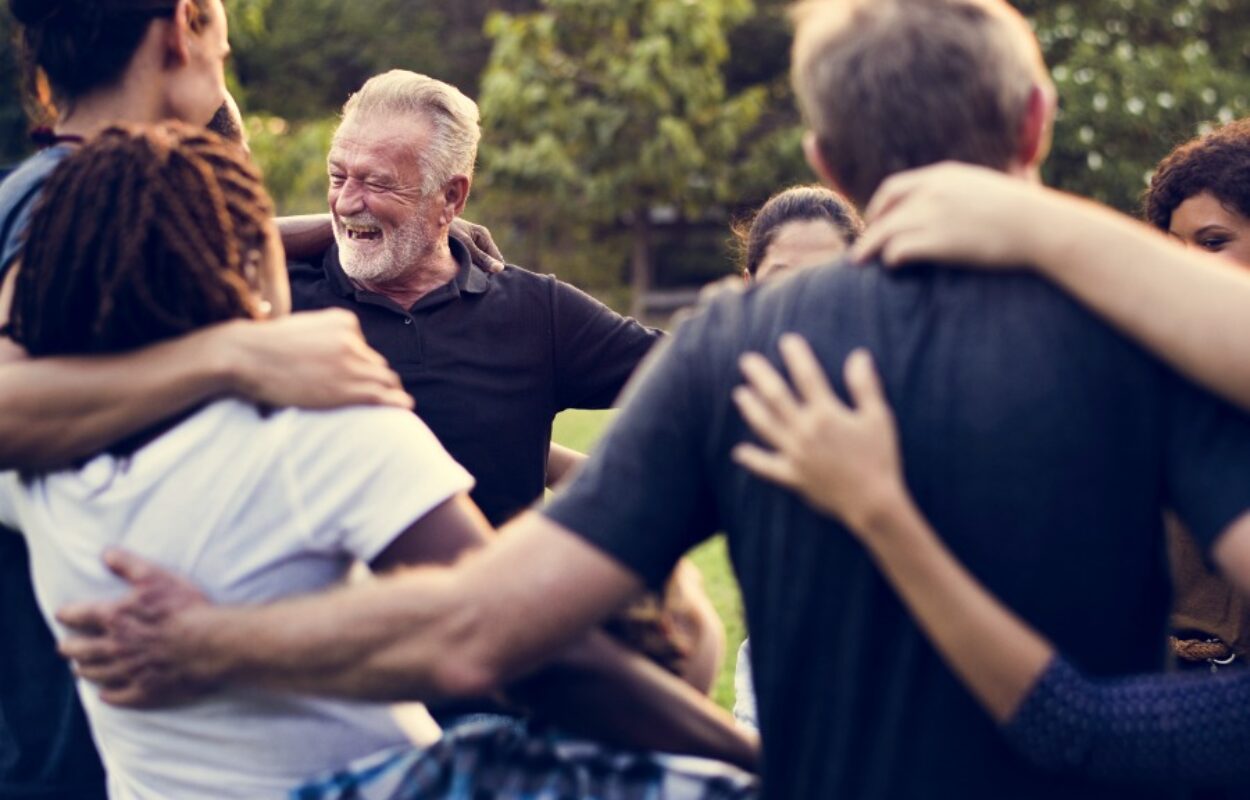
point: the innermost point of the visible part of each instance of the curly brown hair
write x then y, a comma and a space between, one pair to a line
1218, 162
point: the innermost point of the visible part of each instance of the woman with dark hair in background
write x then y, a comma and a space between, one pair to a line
798, 227
90, 64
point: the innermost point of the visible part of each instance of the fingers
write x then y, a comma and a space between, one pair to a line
760, 417
130, 567
486, 243
772, 467
768, 385
89, 619
806, 372
891, 192
862, 380
88, 650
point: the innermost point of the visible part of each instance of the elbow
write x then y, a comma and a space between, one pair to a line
465, 665
460, 677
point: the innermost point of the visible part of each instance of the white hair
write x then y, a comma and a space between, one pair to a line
452, 116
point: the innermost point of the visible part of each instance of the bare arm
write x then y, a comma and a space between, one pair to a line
423, 633
305, 237
56, 410
845, 462
1188, 307
561, 463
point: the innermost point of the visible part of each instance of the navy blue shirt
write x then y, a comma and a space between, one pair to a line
1041, 444
490, 360
46, 750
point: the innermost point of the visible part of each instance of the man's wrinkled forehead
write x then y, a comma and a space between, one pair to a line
391, 139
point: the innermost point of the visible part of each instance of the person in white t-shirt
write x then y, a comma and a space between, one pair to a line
254, 505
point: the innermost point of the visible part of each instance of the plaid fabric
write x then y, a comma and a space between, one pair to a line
514, 759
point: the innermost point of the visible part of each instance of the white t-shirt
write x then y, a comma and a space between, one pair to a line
251, 509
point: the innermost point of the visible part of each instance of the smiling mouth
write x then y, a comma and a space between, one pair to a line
359, 233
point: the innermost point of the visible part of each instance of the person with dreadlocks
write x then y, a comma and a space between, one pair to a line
148, 234
89, 64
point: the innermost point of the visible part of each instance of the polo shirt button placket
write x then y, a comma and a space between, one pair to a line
407, 320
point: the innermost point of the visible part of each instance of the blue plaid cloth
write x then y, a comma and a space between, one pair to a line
519, 760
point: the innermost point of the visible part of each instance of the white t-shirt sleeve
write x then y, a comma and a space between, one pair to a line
364, 475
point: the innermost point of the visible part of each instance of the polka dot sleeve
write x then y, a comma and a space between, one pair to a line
1190, 729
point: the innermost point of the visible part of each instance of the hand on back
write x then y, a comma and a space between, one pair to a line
842, 459
316, 359
955, 213
128, 647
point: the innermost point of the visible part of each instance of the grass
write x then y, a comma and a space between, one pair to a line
579, 430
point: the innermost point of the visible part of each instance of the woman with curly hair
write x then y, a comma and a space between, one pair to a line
1200, 194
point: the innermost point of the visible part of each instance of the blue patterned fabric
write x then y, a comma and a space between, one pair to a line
1183, 729
520, 760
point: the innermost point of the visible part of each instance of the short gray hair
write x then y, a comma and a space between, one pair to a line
888, 85
453, 118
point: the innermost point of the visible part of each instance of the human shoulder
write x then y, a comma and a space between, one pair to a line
18, 193
351, 438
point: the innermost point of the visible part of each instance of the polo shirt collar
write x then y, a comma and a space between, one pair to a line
470, 279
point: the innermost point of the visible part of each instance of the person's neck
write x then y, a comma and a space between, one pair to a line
437, 268
91, 114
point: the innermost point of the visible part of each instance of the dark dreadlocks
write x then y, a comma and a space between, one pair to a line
142, 235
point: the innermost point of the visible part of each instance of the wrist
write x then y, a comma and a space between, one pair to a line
883, 515
193, 639
229, 357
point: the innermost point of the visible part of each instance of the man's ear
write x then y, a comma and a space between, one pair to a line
815, 156
1035, 127
179, 31
455, 195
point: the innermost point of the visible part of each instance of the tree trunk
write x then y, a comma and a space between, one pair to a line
640, 263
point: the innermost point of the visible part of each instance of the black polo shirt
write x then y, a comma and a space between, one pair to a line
1041, 445
490, 360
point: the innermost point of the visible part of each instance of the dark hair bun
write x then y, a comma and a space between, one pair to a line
35, 12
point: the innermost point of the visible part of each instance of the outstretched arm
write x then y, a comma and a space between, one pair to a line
1188, 307
56, 410
424, 633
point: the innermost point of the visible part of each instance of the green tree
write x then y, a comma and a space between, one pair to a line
1135, 78
605, 111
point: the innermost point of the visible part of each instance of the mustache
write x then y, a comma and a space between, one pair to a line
361, 219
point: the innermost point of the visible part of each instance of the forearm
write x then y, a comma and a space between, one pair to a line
1150, 728
56, 410
995, 654
598, 688
561, 463
403, 638
1190, 308
305, 237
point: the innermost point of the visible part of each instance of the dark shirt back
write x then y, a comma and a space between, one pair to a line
1042, 446
490, 360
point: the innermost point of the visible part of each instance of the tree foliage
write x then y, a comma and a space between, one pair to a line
610, 109
1135, 78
